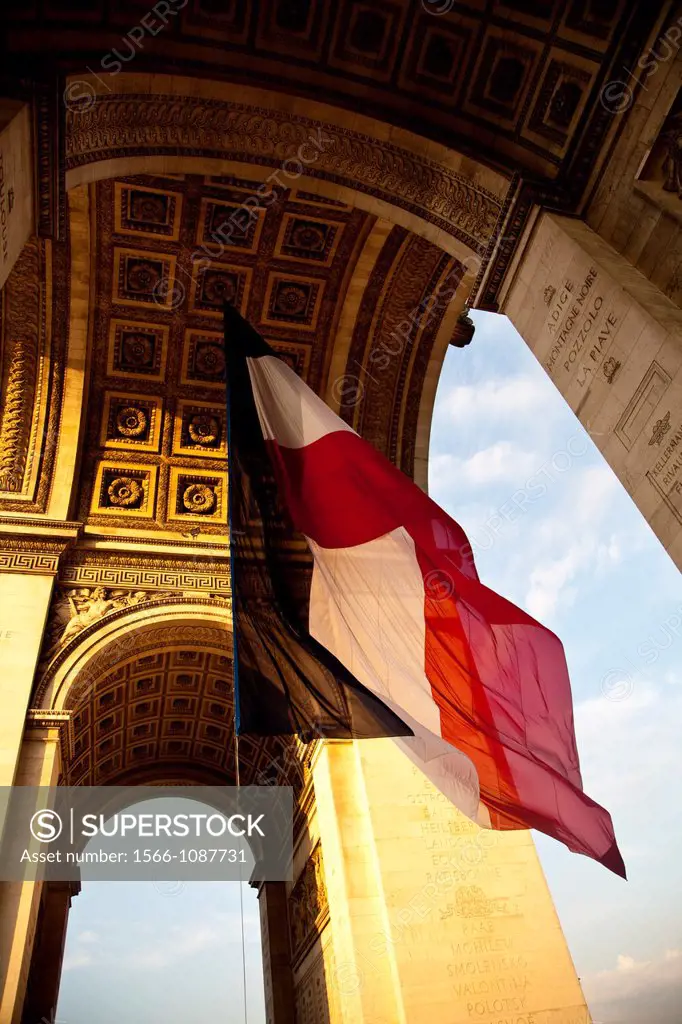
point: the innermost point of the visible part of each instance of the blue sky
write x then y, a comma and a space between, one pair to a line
573, 550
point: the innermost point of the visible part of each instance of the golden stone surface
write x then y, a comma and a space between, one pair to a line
378, 177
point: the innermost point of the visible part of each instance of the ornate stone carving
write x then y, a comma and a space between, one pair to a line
125, 491
30, 556
402, 308
131, 422
610, 368
464, 330
137, 350
21, 325
140, 642
16, 413
37, 553
128, 571
308, 904
210, 360
661, 428
118, 125
204, 429
142, 276
672, 167
199, 498
73, 610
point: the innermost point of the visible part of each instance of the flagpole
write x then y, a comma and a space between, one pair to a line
235, 653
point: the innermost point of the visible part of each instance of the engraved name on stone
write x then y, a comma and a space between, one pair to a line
666, 472
581, 327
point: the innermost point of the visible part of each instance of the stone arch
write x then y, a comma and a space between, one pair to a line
83, 661
191, 125
188, 126
163, 629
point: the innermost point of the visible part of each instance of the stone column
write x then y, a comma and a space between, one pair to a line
28, 565
432, 919
611, 342
277, 974
16, 182
363, 988
42, 991
20, 901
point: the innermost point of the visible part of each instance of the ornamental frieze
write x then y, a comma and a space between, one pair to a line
23, 371
308, 904
115, 126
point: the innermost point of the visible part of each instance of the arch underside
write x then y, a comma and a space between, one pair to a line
134, 447
350, 244
145, 697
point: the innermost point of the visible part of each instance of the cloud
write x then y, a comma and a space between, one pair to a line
75, 958
180, 944
622, 993
629, 742
82, 951
501, 462
584, 544
496, 399
149, 952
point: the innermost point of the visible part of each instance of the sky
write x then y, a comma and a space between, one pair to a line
571, 549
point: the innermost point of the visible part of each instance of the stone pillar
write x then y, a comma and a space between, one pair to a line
431, 918
28, 566
20, 901
277, 974
362, 988
16, 182
611, 342
42, 991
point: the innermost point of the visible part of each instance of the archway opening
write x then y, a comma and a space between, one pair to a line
150, 950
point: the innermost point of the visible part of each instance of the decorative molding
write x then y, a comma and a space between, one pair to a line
57, 527
497, 258
30, 556
116, 126
308, 906
23, 335
392, 341
74, 609
38, 719
116, 571
48, 165
313, 992
142, 639
637, 412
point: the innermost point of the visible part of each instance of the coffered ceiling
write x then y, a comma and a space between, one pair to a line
166, 253
168, 715
513, 82
156, 434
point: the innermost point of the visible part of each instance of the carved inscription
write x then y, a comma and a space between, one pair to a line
487, 969
582, 329
666, 473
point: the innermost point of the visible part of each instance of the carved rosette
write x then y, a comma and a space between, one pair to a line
125, 491
131, 422
204, 429
199, 498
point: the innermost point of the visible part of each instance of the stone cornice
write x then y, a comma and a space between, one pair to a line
27, 526
130, 124
34, 547
36, 718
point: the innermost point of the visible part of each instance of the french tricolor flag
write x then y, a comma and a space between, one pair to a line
358, 612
